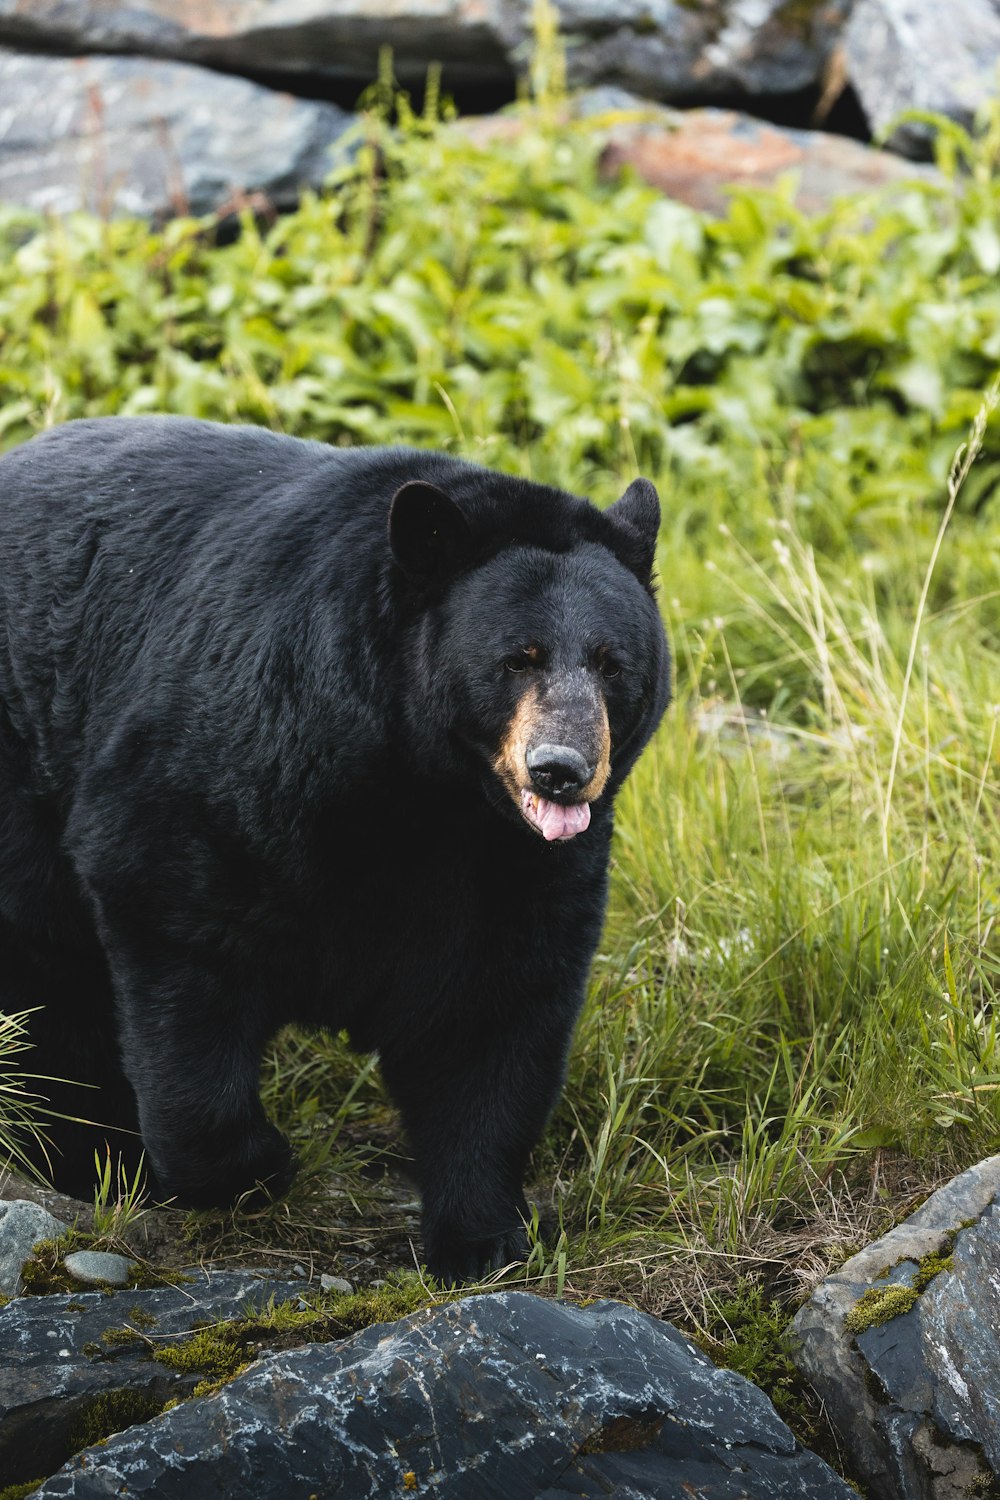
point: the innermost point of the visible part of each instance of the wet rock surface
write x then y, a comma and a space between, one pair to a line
73, 1364
124, 135
916, 1398
505, 1396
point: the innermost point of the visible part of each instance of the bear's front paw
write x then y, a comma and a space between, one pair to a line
260, 1168
453, 1257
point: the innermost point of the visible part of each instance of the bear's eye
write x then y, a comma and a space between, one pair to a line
519, 661
607, 665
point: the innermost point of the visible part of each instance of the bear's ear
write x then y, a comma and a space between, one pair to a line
636, 519
428, 535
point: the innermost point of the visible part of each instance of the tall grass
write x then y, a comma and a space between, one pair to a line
800, 963
21, 1115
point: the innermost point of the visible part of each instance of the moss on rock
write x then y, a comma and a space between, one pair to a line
221, 1351
113, 1411
879, 1305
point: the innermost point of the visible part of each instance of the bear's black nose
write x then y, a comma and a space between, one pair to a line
557, 769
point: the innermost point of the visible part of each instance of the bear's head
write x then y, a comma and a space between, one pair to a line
538, 660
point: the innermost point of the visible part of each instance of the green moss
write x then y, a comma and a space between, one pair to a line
985, 1485
748, 1334
119, 1338
220, 1351
879, 1305
45, 1273
930, 1266
20, 1491
216, 1351
212, 1387
142, 1318
110, 1412
882, 1303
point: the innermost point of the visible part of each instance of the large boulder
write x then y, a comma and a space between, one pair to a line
685, 53
696, 155
74, 1367
915, 55
336, 38
123, 135
668, 49
504, 1396
902, 1343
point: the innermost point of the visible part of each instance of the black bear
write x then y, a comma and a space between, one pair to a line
332, 736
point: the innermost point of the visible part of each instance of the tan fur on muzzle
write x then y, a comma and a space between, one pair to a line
527, 727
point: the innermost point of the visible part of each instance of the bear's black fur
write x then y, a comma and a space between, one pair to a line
292, 733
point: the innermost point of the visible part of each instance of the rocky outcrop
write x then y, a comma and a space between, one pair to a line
75, 1367
191, 127
326, 38
504, 1396
684, 52
123, 135
903, 1346
912, 54
666, 49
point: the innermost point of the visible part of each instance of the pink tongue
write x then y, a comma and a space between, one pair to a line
552, 819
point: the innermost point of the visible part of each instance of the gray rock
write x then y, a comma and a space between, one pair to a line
912, 54
504, 1396
335, 1284
684, 53
22, 1225
57, 1375
666, 49
337, 38
916, 1400
121, 135
98, 1266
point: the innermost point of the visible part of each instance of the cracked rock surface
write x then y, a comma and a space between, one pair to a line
505, 1397
57, 1370
916, 1399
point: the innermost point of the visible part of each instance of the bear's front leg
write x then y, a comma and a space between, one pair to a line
474, 1101
192, 1034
